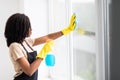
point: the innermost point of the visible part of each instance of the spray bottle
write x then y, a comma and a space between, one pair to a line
50, 63
50, 59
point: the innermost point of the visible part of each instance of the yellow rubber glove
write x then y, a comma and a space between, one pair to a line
71, 26
46, 49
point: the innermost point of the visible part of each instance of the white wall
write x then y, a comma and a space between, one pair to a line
7, 7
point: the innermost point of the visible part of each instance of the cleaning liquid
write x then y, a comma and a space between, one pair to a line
50, 59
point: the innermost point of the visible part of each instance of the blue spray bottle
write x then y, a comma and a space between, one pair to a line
50, 63
50, 59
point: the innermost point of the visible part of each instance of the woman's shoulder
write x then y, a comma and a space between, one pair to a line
14, 45
16, 51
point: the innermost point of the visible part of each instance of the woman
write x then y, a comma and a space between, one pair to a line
25, 60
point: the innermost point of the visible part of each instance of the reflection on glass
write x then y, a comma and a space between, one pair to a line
84, 54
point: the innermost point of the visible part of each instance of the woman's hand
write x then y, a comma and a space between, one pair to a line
71, 26
46, 49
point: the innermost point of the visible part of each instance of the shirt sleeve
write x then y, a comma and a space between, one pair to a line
30, 41
16, 51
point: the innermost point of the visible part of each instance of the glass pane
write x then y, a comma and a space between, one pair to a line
84, 52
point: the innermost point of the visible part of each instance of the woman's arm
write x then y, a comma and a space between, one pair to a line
28, 68
43, 39
58, 34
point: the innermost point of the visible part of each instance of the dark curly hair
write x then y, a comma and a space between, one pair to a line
17, 28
